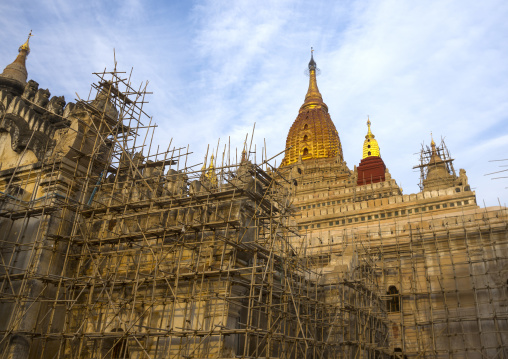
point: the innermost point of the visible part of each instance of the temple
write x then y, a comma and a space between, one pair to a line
418, 247
112, 249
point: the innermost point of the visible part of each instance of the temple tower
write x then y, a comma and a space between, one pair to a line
313, 134
372, 168
14, 75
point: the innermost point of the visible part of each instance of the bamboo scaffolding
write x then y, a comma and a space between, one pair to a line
120, 259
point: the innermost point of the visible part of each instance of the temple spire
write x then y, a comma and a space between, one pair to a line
372, 168
210, 173
26, 45
434, 156
17, 69
370, 145
313, 97
313, 134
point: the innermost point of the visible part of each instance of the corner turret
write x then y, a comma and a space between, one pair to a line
437, 171
14, 75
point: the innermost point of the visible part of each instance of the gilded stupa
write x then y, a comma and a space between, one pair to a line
14, 75
313, 134
372, 168
370, 145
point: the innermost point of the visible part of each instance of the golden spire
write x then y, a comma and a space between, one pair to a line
434, 155
313, 134
17, 69
26, 46
210, 173
313, 97
370, 145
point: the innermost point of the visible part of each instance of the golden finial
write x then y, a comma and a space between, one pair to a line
210, 173
26, 46
312, 63
369, 133
313, 97
432, 143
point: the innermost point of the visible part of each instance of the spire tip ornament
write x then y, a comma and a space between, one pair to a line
26, 45
369, 133
313, 98
312, 63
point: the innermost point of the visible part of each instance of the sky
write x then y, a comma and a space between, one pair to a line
217, 67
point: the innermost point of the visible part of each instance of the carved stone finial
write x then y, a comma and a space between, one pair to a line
68, 109
56, 105
463, 180
31, 88
42, 97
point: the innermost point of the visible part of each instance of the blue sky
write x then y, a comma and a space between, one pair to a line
216, 67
